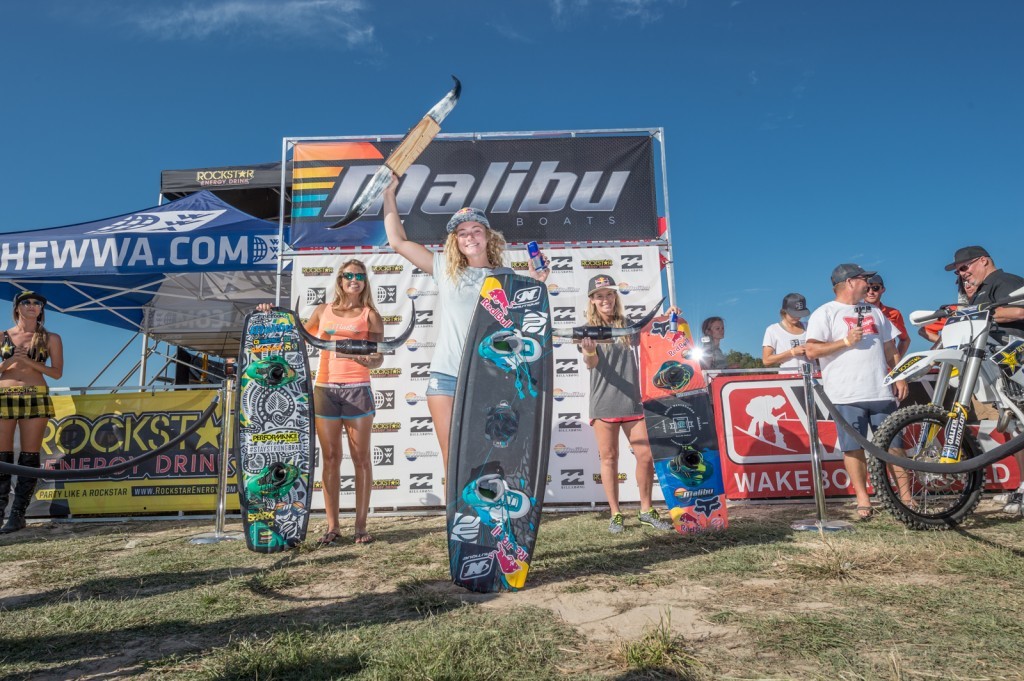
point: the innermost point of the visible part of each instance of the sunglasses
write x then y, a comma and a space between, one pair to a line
33, 303
349, 276
874, 287
967, 265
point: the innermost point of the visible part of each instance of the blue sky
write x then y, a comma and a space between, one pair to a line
800, 134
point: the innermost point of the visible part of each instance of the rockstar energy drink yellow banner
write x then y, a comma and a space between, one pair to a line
91, 431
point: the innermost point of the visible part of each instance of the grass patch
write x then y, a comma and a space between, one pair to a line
758, 601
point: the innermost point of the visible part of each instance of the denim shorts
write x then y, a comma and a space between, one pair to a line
441, 384
860, 414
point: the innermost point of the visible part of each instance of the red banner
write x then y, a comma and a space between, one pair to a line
765, 446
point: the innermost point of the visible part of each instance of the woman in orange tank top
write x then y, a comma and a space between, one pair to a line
342, 395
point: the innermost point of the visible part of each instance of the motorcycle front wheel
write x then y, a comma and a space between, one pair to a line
919, 500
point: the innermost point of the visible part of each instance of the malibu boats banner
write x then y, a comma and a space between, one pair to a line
558, 189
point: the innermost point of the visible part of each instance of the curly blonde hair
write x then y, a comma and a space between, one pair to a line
365, 297
456, 262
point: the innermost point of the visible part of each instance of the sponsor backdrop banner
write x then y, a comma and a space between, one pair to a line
407, 468
554, 189
90, 431
766, 449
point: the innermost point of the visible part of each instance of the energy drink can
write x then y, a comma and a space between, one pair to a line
534, 251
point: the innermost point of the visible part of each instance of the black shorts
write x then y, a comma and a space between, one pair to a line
343, 400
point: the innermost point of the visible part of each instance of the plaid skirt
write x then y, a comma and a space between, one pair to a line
25, 402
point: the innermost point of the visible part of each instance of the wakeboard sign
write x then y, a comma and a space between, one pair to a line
274, 454
500, 436
681, 428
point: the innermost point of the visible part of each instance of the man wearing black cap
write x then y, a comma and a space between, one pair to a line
873, 296
973, 264
854, 342
975, 267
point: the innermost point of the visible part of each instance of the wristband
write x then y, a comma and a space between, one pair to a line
590, 354
846, 341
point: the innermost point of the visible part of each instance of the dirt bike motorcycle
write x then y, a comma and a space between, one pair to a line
982, 363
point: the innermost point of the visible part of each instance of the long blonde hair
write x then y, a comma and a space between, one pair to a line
594, 317
456, 263
40, 337
365, 297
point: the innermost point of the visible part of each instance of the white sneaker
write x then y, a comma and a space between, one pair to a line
1014, 504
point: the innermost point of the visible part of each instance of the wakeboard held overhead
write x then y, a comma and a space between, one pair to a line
410, 148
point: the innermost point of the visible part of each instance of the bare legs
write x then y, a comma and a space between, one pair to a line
607, 435
329, 433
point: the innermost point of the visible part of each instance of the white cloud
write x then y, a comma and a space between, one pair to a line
282, 18
646, 11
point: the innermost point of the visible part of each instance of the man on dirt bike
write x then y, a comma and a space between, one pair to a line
855, 344
975, 266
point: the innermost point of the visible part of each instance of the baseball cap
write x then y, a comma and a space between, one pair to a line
848, 270
876, 279
29, 295
600, 281
467, 214
796, 305
966, 253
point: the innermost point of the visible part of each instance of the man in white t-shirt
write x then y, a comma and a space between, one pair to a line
855, 345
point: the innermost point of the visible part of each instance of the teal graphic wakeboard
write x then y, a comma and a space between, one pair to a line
500, 436
275, 432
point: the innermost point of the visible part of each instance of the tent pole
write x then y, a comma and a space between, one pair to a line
142, 362
280, 219
669, 271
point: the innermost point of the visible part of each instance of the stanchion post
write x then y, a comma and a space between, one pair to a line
820, 523
227, 442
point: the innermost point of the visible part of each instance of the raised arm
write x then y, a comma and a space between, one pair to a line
418, 254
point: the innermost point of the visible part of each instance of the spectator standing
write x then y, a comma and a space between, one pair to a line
784, 341
854, 342
713, 329
873, 296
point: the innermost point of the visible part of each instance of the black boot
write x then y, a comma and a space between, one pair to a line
23, 490
5, 483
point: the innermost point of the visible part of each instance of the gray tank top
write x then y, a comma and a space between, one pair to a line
615, 383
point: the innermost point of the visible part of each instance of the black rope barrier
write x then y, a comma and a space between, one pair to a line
79, 474
1001, 452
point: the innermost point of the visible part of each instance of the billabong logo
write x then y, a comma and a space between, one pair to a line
420, 371
424, 318
421, 482
421, 425
569, 421
348, 484
567, 367
561, 263
564, 316
572, 478
631, 263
